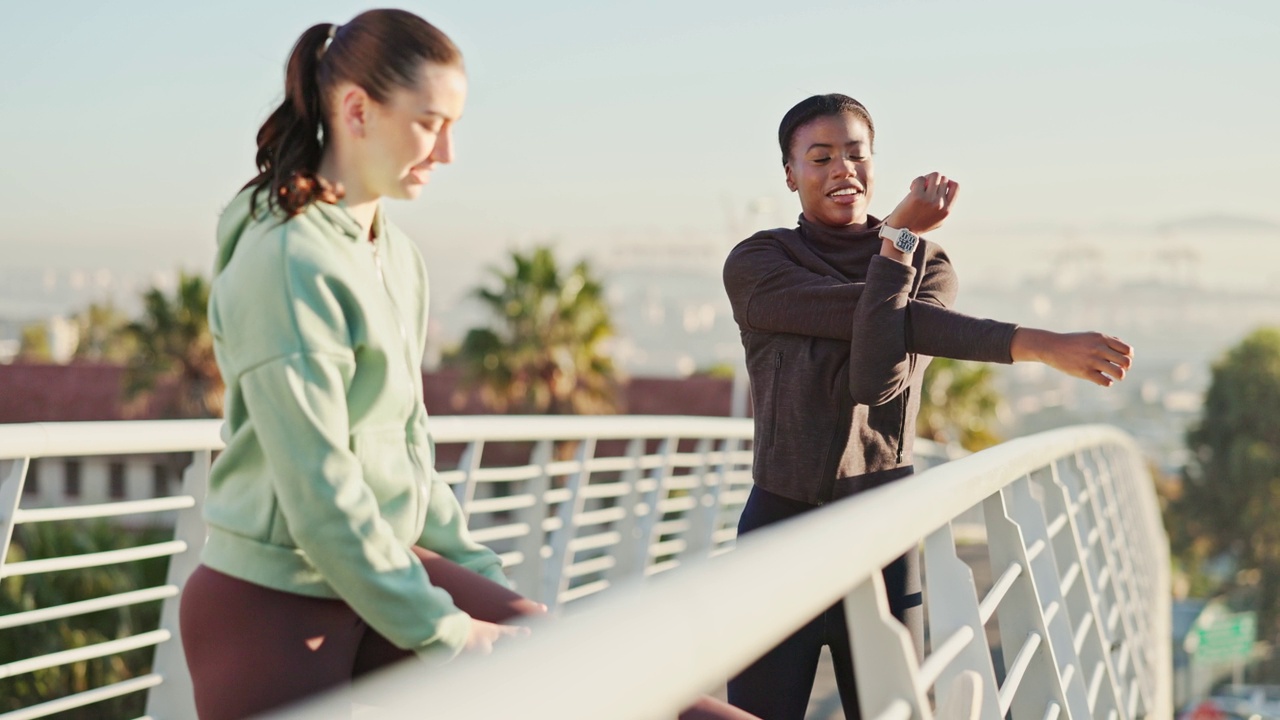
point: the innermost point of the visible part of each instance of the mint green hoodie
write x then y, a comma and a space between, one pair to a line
327, 479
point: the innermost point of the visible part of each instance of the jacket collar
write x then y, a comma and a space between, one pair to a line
826, 238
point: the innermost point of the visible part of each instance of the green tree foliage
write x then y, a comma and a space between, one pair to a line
175, 350
33, 347
542, 351
23, 593
103, 336
960, 404
1231, 487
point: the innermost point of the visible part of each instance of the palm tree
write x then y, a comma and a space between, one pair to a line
103, 336
175, 353
542, 351
960, 404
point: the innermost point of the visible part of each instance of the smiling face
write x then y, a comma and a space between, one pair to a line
830, 166
407, 136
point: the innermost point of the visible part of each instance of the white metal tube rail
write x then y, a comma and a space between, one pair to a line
1082, 603
596, 500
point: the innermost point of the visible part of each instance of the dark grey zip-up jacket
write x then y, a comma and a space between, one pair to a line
837, 337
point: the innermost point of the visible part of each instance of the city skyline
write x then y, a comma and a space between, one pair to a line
594, 125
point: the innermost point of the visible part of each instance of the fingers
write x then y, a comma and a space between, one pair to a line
937, 189
1119, 346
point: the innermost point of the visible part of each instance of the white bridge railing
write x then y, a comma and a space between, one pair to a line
575, 505
1081, 598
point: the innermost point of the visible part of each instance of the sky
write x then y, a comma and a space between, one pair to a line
126, 126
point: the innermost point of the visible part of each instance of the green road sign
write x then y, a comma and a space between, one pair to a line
1228, 637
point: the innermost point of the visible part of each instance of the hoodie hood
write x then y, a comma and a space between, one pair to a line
236, 220
231, 226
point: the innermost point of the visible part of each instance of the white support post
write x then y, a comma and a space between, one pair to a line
468, 464
10, 495
175, 697
1046, 577
1126, 640
884, 655
528, 575
648, 510
1080, 597
1030, 666
954, 605
702, 516
626, 566
556, 580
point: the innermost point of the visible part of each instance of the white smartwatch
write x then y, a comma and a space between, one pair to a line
903, 239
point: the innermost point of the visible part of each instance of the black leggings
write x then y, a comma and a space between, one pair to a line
777, 686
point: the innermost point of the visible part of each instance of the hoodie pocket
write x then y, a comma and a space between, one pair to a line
392, 474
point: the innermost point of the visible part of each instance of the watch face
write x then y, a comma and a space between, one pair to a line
906, 241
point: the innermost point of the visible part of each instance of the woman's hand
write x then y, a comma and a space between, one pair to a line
926, 206
1100, 359
484, 635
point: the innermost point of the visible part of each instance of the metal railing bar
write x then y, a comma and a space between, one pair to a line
82, 512
1069, 579
582, 591
1058, 523
88, 560
1051, 612
1082, 632
89, 652
1034, 551
586, 567
87, 697
988, 606
83, 607
502, 503
1095, 684
1017, 670
592, 542
500, 532
944, 655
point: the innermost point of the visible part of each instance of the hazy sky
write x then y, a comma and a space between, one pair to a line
126, 126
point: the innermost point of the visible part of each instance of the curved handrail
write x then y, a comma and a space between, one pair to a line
648, 650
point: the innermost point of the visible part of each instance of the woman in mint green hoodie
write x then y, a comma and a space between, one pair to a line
334, 548
331, 536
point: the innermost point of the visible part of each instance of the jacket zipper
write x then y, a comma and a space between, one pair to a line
404, 342
902, 423
777, 380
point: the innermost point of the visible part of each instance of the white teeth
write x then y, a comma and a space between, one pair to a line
847, 191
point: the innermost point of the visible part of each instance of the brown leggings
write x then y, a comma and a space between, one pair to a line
251, 649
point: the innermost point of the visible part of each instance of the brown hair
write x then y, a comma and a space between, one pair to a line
379, 50
814, 107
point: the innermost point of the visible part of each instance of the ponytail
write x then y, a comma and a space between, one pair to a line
379, 50
289, 142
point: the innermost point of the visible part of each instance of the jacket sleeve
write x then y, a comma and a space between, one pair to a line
770, 292
446, 533
892, 329
298, 408
938, 331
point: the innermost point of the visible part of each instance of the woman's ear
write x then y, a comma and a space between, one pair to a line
791, 182
353, 110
